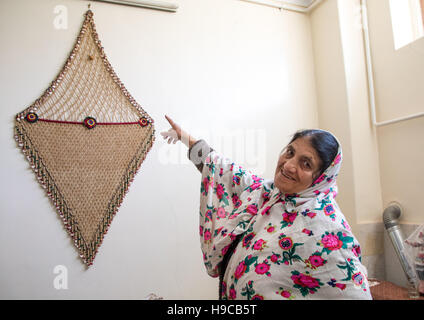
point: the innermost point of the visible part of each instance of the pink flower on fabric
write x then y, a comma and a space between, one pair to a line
207, 235
270, 229
304, 280
225, 249
341, 286
308, 232
255, 186
320, 178
266, 211
207, 182
289, 217
233, 294
252, 209
262, 268
285, 293
337, 159
233, 215
235, 198
221, 213
224, 288
259, 244
208, 215
248, 239
356, 250
331, 242
329, 209
358, 278
315, 261
201, 230
256, 178
286, 243
220, 190
241, 268
274, 258
218, 231
311, 214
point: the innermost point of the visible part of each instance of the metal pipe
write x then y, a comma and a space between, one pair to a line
391, 217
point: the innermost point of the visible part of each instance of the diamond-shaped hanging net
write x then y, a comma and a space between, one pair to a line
85, 139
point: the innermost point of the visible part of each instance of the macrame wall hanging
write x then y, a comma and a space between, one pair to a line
85, 139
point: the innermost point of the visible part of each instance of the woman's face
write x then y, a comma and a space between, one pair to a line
298, 167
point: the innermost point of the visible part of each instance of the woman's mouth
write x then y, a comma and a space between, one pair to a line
286, 176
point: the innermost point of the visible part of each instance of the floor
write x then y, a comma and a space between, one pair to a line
385, 290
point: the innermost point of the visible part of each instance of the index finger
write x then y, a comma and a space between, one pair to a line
172, 123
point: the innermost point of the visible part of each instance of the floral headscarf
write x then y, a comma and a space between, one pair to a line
323, 190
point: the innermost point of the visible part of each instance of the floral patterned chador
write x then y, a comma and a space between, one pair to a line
292, 246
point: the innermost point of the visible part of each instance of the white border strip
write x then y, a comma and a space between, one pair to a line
280, 4
150, 4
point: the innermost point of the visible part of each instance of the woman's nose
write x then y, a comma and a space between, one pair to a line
290, 165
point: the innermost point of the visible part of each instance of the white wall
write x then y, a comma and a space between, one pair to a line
332, 96
347, 95
399, 92
224, 69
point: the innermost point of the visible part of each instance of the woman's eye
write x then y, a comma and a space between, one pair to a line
307, 164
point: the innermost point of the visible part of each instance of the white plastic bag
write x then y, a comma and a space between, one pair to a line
415, 251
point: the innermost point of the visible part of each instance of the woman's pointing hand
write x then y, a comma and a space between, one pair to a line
175, 133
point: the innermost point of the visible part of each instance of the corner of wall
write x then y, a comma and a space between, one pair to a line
343, 107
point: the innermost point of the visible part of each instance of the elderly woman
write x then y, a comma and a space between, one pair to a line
284, 238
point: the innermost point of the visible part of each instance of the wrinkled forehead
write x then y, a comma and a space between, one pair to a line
304, 147
301, 143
